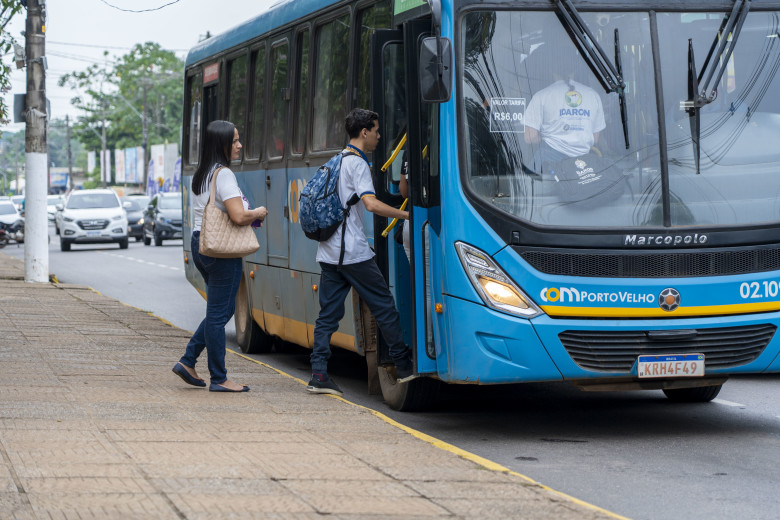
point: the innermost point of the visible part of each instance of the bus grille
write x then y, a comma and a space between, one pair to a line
654, 265
616, 351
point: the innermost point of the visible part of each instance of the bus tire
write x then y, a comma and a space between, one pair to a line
414, 396
696, 394
250, 337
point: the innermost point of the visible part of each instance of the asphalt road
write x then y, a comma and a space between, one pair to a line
633, 453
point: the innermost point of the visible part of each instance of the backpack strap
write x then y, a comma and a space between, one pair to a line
351, 202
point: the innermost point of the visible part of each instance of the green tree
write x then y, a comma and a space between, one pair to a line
11, 158
8, 8
146, 83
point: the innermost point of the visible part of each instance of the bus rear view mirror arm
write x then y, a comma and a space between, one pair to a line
435, 69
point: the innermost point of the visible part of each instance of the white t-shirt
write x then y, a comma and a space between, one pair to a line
566, 117
355, 177
227, 188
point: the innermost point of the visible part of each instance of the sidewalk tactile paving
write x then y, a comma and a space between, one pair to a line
93, 425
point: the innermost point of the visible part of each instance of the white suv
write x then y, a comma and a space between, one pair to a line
92, 217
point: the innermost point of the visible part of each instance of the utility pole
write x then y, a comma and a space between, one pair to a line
36, 247
105, 165
70, 155
145, 144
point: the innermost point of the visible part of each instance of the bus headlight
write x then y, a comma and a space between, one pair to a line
495, 288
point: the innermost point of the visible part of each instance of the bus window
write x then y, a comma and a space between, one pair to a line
369, 20
330, 85
279, 61
302, 73
237, 94
253, 141
195, 103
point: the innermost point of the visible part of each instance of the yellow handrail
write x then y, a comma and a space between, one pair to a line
395, 154
394, 221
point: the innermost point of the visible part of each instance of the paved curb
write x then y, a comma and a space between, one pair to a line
93, 424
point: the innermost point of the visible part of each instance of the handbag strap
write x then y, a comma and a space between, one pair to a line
213, 190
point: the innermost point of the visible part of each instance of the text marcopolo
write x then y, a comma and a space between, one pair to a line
665, 240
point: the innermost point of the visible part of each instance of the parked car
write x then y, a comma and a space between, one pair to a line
92, 217
8, 212
18, 201
162, 220
51, 205
141, 198
135, 217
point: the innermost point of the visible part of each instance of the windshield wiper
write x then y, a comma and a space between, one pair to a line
608, 74
699, 92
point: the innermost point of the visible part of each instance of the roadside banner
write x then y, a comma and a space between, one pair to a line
119, 161
105, 162
151, 184
157, 153
131, 166
140, 164
91, 161
177, 175
171, 154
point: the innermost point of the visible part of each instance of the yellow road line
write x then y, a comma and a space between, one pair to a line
485, 463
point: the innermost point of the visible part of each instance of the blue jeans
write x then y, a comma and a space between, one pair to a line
369, 283
222, 276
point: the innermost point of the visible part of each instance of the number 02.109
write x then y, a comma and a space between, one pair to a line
754, 289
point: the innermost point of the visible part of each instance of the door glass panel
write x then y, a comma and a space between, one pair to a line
377, 16
195, 107
394, 124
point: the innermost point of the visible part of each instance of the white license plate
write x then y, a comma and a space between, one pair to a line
672, 365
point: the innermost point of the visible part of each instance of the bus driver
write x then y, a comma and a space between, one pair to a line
565, 118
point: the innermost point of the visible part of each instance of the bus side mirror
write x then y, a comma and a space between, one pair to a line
435, 69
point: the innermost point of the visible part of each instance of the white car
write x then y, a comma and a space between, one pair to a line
92, 217
51, 205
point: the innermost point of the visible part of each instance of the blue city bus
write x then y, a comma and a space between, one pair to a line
594, 184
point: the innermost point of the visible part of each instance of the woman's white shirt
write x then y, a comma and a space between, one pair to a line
227, 188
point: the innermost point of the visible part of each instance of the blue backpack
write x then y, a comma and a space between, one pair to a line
320, 211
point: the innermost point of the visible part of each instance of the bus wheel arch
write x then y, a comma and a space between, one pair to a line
250, 337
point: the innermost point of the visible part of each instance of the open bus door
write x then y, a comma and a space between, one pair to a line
396, 96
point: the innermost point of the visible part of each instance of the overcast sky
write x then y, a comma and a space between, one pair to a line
78, 31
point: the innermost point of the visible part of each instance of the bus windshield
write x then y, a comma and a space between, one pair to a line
545, 140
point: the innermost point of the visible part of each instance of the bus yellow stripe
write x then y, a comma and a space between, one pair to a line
631, 312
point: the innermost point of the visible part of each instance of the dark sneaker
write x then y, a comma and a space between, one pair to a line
316, 386
403, 371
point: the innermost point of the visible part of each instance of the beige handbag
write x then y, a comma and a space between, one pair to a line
220, 237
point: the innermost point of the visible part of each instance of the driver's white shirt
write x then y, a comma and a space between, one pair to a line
566, 114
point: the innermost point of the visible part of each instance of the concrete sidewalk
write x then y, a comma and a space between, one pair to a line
93, 424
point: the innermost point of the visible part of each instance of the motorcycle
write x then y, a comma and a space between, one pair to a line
11, 233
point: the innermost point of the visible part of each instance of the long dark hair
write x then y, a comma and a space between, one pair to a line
216, 149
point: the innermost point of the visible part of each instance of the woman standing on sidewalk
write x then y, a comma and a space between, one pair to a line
222, 275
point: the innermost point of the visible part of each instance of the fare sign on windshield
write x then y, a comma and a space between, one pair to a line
507, 114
